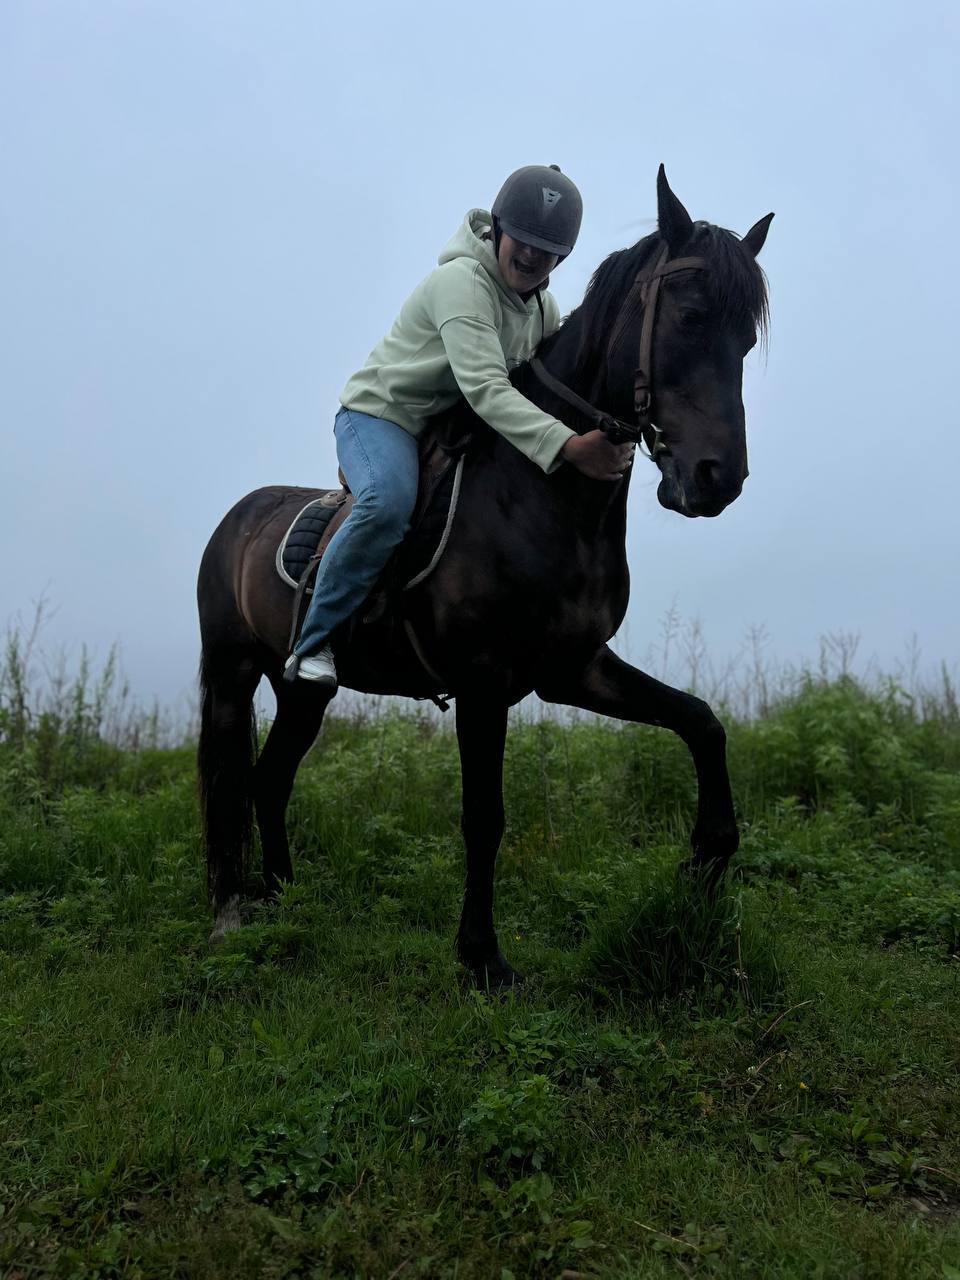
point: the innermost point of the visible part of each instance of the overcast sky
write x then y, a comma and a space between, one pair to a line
210, 212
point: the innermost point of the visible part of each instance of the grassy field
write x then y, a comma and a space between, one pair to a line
767, 1086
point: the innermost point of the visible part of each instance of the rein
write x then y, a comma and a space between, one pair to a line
645, 291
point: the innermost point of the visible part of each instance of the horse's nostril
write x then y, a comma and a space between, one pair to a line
707, 474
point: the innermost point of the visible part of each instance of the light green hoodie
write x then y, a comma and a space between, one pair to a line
459, 332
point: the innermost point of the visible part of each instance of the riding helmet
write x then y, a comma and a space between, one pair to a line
539, 205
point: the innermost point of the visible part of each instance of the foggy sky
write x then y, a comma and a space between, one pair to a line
211, 212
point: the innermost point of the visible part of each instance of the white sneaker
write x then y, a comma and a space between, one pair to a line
319, 667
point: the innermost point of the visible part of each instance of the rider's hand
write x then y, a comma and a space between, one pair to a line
596, 457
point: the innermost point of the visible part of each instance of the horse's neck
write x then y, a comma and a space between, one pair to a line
585, 374
597, 508
576, 515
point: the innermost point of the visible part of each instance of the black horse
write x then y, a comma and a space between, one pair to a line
533, 582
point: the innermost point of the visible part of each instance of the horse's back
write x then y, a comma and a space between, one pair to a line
260, 508
240, 595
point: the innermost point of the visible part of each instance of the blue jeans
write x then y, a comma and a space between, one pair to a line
380, 462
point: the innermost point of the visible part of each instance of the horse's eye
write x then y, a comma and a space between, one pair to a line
693, 318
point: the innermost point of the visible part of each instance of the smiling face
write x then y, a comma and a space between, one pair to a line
523, 267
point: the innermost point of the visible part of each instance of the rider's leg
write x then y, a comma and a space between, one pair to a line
379, 460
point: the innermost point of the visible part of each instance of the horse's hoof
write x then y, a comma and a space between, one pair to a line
500, 979
269, 893
705, 873
716, 845
227, 921
496, 976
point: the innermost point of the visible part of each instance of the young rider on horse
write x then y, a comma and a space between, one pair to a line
480, 312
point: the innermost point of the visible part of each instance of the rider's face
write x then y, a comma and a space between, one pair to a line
522, 266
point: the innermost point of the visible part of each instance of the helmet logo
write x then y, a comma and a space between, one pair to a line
550, 197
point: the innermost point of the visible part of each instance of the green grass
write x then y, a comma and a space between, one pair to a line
766, 1085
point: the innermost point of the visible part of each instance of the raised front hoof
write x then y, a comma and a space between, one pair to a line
715, 844
227, 921
712, 852
704, 873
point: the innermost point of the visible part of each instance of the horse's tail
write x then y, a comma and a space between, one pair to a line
225, 760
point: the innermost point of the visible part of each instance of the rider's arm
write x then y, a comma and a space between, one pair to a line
472, 345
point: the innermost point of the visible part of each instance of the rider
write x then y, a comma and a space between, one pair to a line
481, 311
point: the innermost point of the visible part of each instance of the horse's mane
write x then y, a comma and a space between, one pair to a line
735, 281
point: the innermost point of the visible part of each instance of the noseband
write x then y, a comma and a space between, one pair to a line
645, 294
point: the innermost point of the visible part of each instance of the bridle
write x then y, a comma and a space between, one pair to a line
644, 293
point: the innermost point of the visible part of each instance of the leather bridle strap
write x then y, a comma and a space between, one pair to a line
642, 297
647, 285
644, 293
605, 421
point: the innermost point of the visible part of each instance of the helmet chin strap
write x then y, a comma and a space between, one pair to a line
497, 234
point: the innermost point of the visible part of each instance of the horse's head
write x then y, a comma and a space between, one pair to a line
705, 317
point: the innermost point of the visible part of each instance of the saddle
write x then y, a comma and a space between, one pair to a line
302, 547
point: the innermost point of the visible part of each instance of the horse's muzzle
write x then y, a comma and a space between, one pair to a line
706, 491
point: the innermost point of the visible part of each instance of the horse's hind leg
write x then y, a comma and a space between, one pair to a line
228, 679
300, 711
613, 688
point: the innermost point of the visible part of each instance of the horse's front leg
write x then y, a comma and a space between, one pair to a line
613, 688
481, 735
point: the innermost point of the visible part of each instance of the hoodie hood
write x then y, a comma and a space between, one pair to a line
468, 242
457, 337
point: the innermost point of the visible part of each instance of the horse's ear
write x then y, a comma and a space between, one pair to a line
753, 240
676, 225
